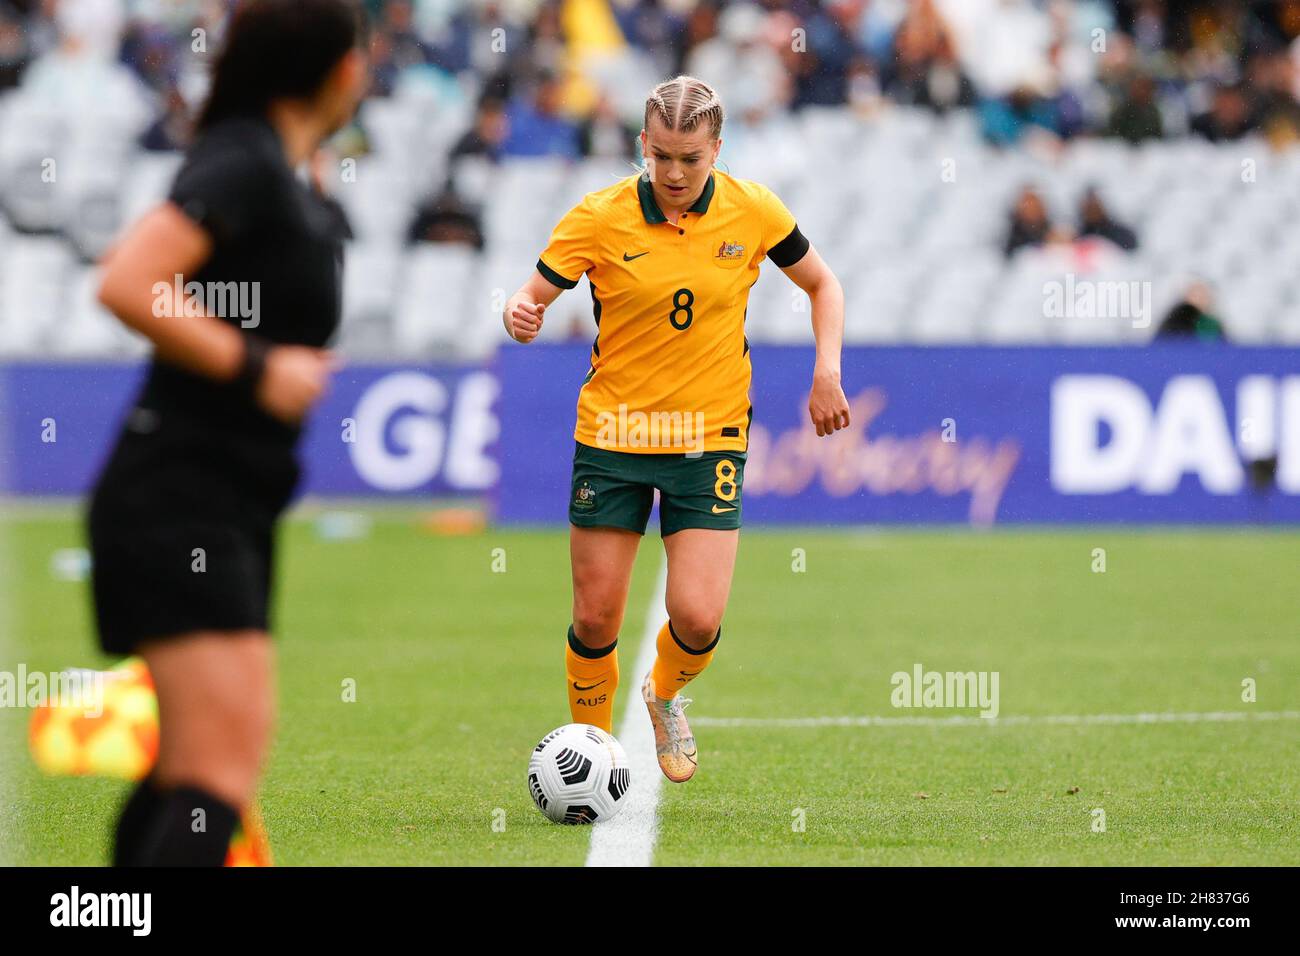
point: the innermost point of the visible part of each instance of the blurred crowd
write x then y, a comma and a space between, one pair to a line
566, 78
1031, 227
1044, 70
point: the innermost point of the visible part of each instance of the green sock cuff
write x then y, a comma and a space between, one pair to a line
590, 653
690, 650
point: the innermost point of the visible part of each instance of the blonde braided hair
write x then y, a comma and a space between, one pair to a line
685, 104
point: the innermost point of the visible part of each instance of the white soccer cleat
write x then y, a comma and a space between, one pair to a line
674, 743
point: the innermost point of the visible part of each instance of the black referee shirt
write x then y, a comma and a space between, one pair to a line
275, 269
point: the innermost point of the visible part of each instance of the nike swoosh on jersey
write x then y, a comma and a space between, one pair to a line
720, 511
627, 258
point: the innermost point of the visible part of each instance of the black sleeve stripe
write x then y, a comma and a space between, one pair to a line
790, 249
553, 277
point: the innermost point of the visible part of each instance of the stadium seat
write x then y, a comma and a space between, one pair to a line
34, 279
430, 310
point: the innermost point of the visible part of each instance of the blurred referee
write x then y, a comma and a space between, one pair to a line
182, 520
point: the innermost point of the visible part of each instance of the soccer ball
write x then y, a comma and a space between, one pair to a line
578, 774
113, 732
114, 735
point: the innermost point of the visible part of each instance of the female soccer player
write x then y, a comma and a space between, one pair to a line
670, 255
183, 517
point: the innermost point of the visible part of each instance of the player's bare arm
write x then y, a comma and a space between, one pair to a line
827, 406
524, 311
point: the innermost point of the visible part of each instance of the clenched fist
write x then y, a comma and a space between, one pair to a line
525, 321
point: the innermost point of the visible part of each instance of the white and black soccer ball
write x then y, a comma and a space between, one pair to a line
578, 774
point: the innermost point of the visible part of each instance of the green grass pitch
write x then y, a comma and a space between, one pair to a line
458, 671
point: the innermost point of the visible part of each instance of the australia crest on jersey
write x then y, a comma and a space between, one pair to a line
730, 251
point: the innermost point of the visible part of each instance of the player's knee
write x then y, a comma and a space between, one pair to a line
596, 626
696, 627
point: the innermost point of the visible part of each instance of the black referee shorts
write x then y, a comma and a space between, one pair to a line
182, 535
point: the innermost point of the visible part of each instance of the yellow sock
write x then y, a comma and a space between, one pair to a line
676, 665
592, 682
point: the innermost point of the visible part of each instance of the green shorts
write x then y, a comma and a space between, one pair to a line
615, 489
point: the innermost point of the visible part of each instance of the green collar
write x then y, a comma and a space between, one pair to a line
650, 208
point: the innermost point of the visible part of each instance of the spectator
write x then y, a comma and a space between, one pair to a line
536, 126
605, 134
547, 49
743, 65
925, 71
1277, 114
81, 75
384, 70
487, 134
171, 130
865, 95
1006, 122
1004, 44
449, 219
821, 69
656, 29
1191, 318
408, 48
36, 19
1217, 40
1137, 117
1096, 220
96, 26
13, 52
473, 40
1149, 33
1030, 225
1069, 116
1229, 117
150, 50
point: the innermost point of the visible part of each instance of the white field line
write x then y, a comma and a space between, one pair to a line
629, 838
1019, 720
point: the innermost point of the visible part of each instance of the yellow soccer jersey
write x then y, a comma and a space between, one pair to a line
670, 366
